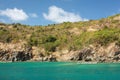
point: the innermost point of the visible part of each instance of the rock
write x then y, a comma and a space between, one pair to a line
52, 58
117, 53
102, 60
109, 53
116, 58
88, 59
45, 58
15, 56
86, 54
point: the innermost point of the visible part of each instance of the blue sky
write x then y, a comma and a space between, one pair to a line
43, 12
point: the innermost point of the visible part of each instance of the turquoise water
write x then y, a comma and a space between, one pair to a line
58, 71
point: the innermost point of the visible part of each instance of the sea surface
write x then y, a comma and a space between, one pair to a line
59, 71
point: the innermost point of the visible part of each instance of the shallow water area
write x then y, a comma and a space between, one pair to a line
59, 71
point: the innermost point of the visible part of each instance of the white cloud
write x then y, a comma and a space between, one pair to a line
14, 14
34, 15
59, 15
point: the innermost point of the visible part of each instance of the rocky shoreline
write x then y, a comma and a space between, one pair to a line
91, 54
94, 41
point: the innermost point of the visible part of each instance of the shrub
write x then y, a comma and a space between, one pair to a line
51, 47
5, 36
106, 36
50, 39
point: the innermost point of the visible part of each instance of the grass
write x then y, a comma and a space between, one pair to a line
58, 36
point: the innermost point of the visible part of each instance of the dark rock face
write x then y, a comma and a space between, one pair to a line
52, 59
111, 54
116, 56
3, 55
21, 56
90, 55
15, 56
86, 55
49, 58
117, 53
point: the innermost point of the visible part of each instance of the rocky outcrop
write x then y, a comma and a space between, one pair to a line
92, 53
15, 56
21, 56
109, 53
15, 52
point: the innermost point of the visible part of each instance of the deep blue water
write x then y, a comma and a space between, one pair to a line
58, 71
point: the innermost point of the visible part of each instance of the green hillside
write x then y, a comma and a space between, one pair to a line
71, 36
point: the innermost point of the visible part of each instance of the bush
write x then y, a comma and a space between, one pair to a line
106, 36
5, 36
84, 39
50, 39
51, 47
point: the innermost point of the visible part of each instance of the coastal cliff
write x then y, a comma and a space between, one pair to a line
90, 41
110, 53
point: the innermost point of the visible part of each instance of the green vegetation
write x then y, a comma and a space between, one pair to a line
107, 36
72, 36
